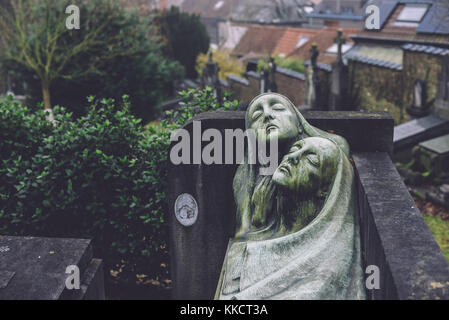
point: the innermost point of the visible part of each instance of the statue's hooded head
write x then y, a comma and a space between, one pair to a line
271, 115
309, 167
274, 115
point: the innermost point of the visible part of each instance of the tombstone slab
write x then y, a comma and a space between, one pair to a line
433, 155
412, 132
34, 268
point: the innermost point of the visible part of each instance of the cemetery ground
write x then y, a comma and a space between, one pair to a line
437, 218
138, 286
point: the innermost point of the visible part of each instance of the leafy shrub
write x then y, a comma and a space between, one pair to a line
102, 176
293, 64
369, 101
228, 64
185, 37
96, 177
116, 51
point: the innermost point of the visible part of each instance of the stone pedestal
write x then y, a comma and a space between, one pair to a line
35, 269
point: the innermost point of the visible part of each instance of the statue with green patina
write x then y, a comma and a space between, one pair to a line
297, 234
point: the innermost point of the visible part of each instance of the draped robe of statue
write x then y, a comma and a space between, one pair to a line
321, 259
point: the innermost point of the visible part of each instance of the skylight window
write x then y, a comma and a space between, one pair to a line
301, 41
218, 5
308, 9
344, 48
412, 13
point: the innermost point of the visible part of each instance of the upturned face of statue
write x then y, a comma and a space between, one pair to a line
310, 164
271, 116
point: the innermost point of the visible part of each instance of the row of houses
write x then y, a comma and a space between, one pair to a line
383, 65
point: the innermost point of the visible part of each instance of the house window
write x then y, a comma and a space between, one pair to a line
218, 5
301, 41
344, 48
347, 10
412, 13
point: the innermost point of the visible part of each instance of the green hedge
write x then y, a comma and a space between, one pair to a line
101, 176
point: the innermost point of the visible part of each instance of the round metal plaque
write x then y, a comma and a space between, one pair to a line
186, 209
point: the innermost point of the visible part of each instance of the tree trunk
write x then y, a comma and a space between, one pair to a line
46, 94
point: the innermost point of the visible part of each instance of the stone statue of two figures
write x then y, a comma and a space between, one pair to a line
297, 234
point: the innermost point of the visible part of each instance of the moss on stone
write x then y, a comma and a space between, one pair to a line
440, 230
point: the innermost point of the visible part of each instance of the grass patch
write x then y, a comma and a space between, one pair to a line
440, 230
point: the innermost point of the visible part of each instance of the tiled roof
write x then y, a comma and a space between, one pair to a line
253, 74
402, 36
390, 58
232, 77
260, 40
269, 11
287, 43
335, 16
291, 73
209, 8
323, 66
324, 39
425, 49
433, 28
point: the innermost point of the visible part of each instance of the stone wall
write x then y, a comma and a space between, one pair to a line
241, 88
3, 86
289, 83
420, 65
377, 89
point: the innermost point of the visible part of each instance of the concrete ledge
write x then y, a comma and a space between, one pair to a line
253, 74
394, 235
372, 131
233, 78
291, 73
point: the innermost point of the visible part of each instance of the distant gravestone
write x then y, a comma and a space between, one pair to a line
312, 83
410, 133
35, 269
267, 78
210, 78
433, 155
338, 96
272, 86
442, 99
419, 107
263, 81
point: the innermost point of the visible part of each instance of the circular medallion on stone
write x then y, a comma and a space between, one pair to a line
186, 209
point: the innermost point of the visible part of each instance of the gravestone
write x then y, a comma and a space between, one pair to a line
263, 81
411, 264
312, 83
267, 78
339, 87
433, 155
435, 124
419, 107
412, 132
272, 86
442, 99
34, 268
210, 78
440, 195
